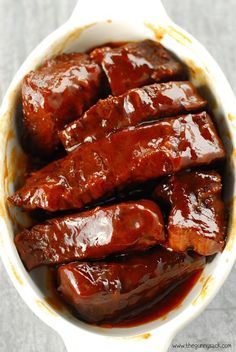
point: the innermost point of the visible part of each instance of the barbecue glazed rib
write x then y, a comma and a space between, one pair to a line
126, 157
197, 216
105, 291
130, 109
97, 233
134, 65
55, 94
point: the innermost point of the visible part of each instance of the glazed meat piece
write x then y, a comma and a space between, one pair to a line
107, 291
134, 65
130, 109
126, 157
97, 233
197, 217
55, 94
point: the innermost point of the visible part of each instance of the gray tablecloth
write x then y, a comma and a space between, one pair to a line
23, 24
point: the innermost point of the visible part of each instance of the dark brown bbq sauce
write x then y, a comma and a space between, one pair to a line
154, 310
52, 297
163, 305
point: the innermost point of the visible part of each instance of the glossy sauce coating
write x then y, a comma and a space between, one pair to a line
197, 217
55, 94
113, 278
107, 291
97, 233
126, 157
171, 299
137, 64
135, 106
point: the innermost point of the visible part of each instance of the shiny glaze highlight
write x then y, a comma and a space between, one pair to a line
97, 233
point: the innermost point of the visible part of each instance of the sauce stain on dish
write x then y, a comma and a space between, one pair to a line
197, 73
231, 117
232, 225
62, 46
44, 306
158, 31
16, 274
178, 36
205, 290
16, 162
52, 298
3, 211
139, 337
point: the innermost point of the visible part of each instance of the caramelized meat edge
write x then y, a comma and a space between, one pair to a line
126, 157
134, 65
55, 94
197, 216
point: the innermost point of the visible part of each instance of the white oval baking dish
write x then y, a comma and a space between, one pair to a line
93, 23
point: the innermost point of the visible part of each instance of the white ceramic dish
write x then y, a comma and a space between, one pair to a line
93, 23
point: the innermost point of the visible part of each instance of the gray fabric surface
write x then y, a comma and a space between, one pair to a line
23, 24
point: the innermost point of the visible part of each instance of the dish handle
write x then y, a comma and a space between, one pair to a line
90, 11
151, 342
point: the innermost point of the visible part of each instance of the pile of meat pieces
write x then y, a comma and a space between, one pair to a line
152, 127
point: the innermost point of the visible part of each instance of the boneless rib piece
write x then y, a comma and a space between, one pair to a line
55, 94
97, 233
129, 156
136, 64
197, 217
135, 106
105, 291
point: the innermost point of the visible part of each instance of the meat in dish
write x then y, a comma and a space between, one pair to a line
97, 233
95, 169
133, 107
146, 154
197, 218
134, 65
106, 291
55, 94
